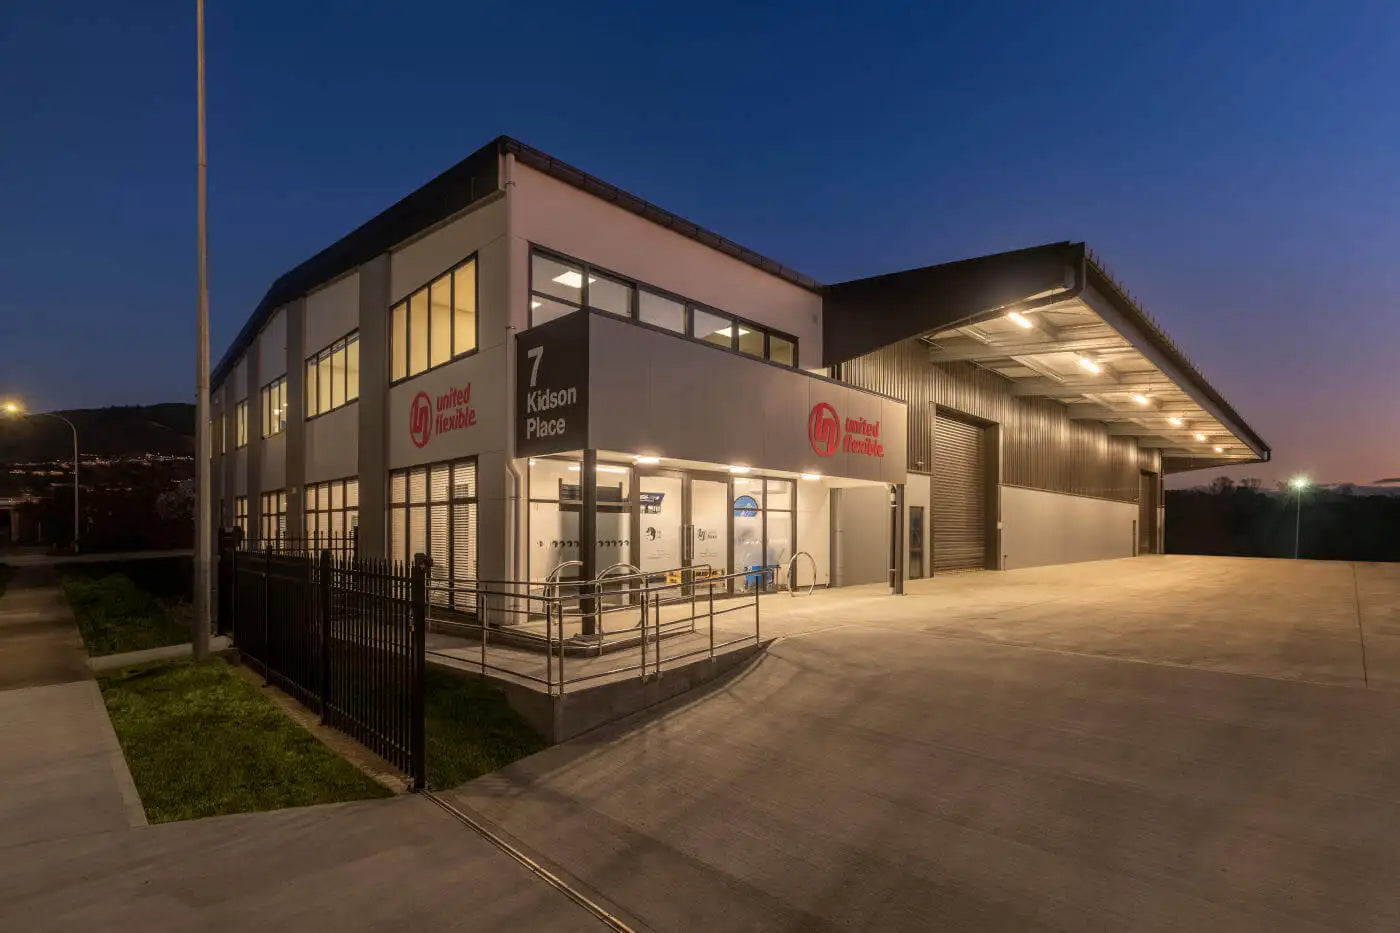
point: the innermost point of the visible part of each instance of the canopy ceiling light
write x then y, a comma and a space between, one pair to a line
1019, 319
1089, 365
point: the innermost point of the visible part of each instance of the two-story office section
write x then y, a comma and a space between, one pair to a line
522, 371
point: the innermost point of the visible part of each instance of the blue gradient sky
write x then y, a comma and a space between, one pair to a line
1236, 171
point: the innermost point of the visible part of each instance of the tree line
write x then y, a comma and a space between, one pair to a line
1245, 520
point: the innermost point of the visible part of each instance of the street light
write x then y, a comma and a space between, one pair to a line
1299, 483
14, 408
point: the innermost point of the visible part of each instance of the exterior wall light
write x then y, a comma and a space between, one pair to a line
647, 460
739, 469
810, 477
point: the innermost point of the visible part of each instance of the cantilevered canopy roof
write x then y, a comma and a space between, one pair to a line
1051, 321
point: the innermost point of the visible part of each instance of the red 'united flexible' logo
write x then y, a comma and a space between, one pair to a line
420, 420
824, 429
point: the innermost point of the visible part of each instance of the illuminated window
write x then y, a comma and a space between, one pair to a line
333, 376
560, 286
435, 324
240, 514
240, 418
274, 407
432, 511
333, 514
273, 528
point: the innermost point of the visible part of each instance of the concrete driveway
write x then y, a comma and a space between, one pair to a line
1321, 621
1163, 743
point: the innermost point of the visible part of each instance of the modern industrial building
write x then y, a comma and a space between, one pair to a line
450, 376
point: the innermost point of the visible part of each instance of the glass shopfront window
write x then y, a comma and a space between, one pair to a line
763, 527
556, 499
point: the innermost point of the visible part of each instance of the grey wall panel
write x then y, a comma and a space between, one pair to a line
656, 393
252, 453
374, 385
1041, 447
296, 419
860, 535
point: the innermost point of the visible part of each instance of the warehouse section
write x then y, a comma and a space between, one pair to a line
528, 374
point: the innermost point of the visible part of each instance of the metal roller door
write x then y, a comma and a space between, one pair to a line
959, 495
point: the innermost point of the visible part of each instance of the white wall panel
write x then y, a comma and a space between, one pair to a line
553, 214
272, 350
274, 462
332, 445
427, 257
1042, 528
331, 313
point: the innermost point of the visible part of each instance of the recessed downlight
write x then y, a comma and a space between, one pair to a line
1201, 438
1141, 399
810, 477
1089, 365
739, 469
648, 460
1175, 421
1019, 319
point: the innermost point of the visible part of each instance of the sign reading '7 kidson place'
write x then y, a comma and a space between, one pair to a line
551, 387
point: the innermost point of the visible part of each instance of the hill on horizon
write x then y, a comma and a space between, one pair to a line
120, 430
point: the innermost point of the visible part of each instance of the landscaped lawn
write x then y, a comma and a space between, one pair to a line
471, 729
115, 615
200, 741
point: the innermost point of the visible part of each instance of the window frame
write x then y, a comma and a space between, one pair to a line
274, 520
689, 306
265, 409
240, 427
450, 274
311, 387
312, 515
408, 503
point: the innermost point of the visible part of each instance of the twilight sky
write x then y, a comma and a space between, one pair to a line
1236, 171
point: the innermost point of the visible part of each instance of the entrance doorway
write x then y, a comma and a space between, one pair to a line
681, 523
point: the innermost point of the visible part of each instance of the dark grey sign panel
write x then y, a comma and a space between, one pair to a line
551, 387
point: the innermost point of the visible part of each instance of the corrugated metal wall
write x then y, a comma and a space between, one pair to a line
1041, 446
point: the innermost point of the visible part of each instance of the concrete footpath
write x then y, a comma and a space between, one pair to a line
75, 853
62, 770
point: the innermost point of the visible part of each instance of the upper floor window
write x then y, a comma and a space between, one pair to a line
240, 424
559, 286
333, 376
435, 324
274, 407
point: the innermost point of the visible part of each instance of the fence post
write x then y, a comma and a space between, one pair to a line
266, 607
757, 640
417, 728
325, 585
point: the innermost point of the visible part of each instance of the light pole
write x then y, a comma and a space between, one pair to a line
203, 502
14, 409
1299, 483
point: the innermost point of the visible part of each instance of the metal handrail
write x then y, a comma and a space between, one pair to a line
651, 625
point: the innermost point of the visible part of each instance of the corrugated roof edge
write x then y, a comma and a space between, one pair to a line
447, 194
1154, 332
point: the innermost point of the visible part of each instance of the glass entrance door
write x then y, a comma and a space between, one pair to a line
708, 527
661, 514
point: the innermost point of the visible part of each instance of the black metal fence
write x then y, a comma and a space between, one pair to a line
346, 637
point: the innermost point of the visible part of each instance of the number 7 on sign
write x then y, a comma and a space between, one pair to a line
534, 353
